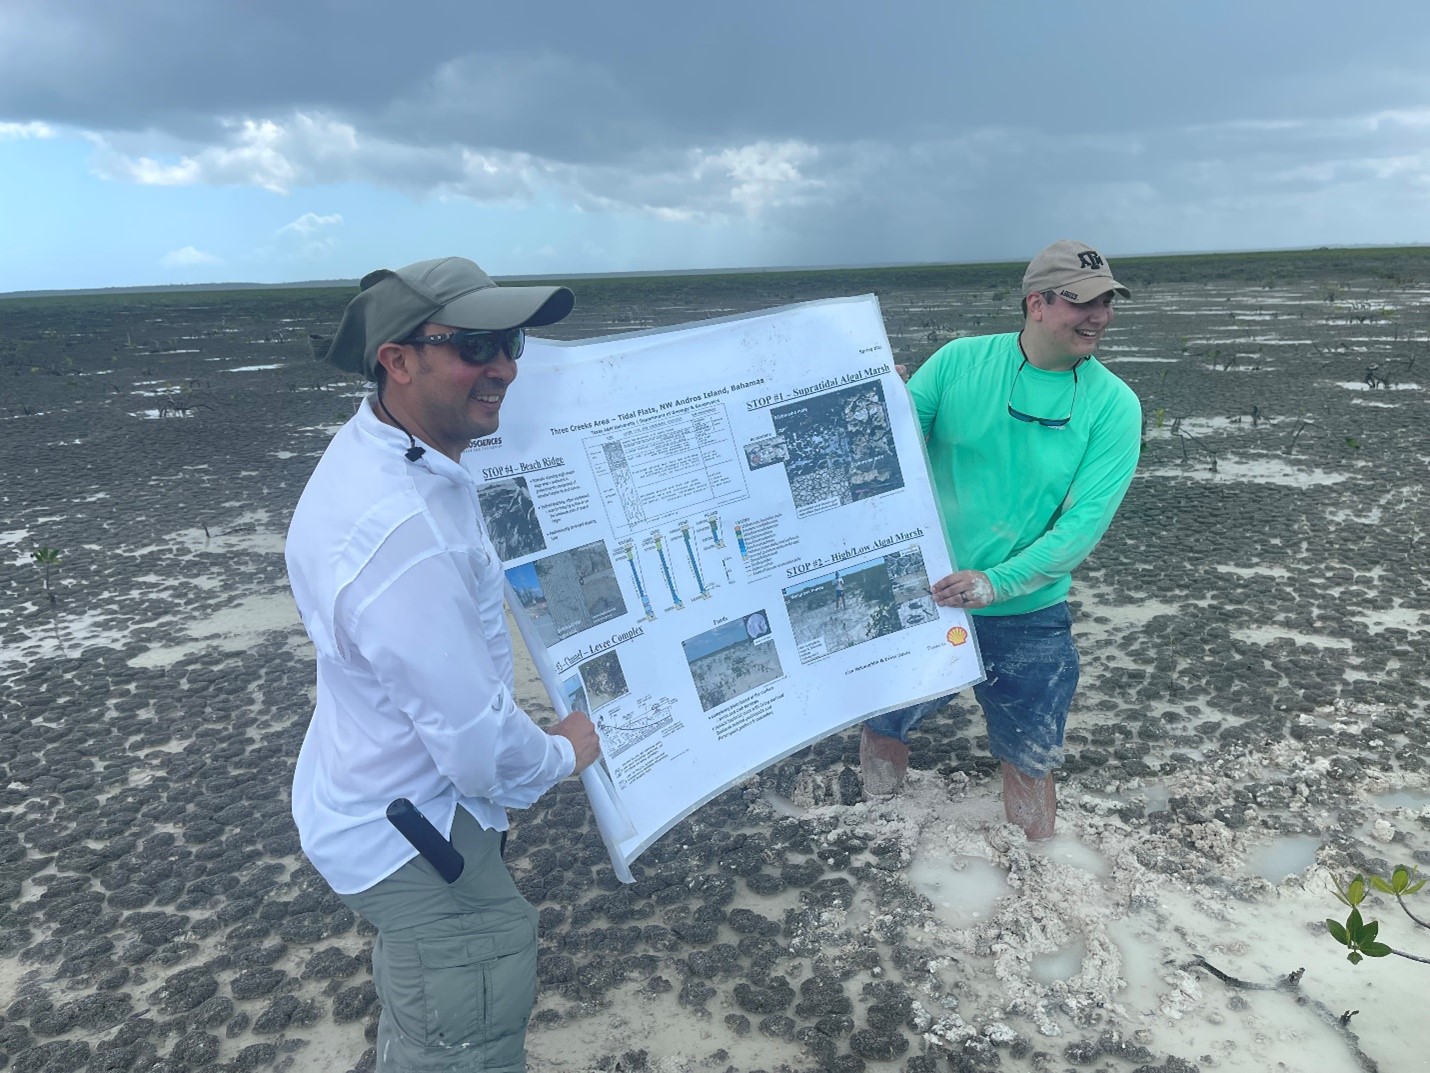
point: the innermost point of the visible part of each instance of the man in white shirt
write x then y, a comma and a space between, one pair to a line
401, 592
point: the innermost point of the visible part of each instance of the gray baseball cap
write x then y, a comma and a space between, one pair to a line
449, 290
1074, 270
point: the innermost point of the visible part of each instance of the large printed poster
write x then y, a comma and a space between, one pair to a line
719, 540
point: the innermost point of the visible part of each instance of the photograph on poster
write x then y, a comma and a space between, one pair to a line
766, 451
511, 518
849, 606
574, 690
568, 592
840, 446
732, 659
604, 679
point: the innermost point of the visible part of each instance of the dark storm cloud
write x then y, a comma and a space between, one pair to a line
911, 124
147, 64
538, 77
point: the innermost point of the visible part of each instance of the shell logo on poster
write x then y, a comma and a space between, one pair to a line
957, 635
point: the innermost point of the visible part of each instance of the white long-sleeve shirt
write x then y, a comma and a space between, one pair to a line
401, 593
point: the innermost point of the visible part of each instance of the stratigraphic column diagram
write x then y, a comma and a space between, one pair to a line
626, 489
713, 521
665, 569
628, 552
694, 559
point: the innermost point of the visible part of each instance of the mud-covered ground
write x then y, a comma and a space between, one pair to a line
1252, 722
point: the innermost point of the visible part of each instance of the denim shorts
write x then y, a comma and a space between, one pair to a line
1032, 673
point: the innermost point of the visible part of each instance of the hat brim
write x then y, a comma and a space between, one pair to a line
495, 309
1090, 287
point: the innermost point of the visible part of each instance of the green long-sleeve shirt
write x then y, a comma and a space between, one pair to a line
1022, 502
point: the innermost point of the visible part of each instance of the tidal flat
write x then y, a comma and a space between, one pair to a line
1251, 725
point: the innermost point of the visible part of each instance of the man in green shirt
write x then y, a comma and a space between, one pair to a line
1033, 443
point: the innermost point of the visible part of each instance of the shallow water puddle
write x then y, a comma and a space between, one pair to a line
1415, 800
1283, 857
1062, 964
1202, 426
1069, 851
1263, 471
781, 805
963, 889
1157, 796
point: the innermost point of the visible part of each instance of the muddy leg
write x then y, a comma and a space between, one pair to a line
883, 763
1030, 803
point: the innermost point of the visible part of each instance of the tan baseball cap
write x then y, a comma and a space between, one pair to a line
1074, 270
448, 290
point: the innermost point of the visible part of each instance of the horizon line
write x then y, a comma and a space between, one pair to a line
318, 284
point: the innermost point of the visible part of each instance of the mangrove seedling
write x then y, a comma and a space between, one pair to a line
49, 558
1361, 936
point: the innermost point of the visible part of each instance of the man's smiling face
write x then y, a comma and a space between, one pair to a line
458, 401
1069, 331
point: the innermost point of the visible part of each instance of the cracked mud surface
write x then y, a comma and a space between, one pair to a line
1251, 720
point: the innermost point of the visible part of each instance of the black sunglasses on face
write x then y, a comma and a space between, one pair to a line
1046, 422
478, 347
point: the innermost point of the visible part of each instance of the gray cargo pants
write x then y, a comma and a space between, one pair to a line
454, 966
